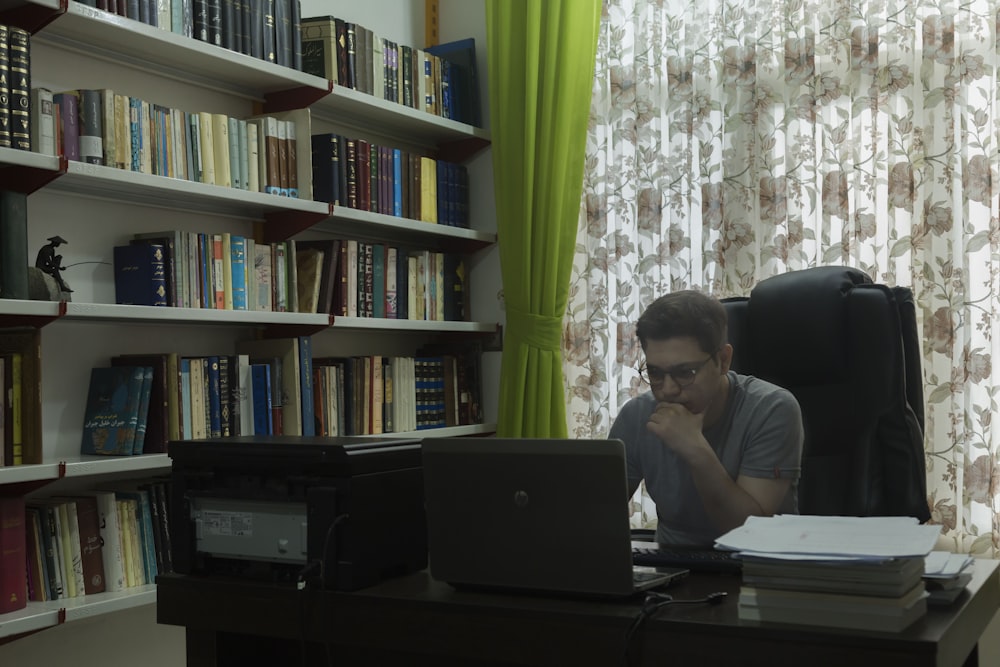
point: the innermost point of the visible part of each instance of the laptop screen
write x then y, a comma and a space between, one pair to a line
545, 514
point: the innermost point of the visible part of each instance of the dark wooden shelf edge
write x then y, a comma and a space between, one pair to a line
282, 225
32, 17
294, 330
295, 98
461, 150
20, 178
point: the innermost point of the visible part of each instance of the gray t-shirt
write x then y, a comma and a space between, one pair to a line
759, 435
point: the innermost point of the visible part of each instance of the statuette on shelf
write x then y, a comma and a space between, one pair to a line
45, 283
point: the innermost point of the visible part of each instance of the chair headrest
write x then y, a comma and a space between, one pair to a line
799, 321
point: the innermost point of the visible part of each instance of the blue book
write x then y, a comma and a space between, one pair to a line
306, 385
186, 426
205, 271
238, 271
397, 182
112, 411
135, 127
214, 399
260, 382
143, 418
140, 275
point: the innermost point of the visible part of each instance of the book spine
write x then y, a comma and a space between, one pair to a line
19, 61
91, 127
5, 129
214, 398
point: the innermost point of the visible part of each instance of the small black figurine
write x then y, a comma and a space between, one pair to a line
51, 263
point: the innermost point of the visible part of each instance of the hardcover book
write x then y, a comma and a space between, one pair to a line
91, 544
112, 411
13, 245
140, 275
24, 348
157, 414
19, 62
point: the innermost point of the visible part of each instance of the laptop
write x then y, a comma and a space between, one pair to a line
534, 515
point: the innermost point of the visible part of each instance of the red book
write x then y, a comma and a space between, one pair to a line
13, 559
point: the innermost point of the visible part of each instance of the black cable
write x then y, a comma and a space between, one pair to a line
300, 585
652, 604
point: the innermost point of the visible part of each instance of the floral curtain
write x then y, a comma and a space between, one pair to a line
731, 141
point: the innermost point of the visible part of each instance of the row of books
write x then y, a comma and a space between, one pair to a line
372, 395
98, 541
439, 79
353, 278
20, 409
276, 387
265, 29
15, 87
11, 432
99, 126
363, 175
344, 277
200, 270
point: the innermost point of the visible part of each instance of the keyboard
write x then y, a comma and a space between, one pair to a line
694, 559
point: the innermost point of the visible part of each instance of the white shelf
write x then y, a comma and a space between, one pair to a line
378, 226
26, 308
84, 466
105, 312
345, 106
384, 324
124, 41
177, 194
41, 615
18, 158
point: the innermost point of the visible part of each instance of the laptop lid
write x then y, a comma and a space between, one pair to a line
535, 514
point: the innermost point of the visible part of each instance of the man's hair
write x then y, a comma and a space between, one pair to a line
686, 313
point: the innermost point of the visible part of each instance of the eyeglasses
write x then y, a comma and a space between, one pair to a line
683, 376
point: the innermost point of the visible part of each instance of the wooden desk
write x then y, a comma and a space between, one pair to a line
415, 620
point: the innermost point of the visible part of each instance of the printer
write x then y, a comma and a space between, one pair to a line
346, 512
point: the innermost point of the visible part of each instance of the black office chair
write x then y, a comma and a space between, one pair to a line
847, 349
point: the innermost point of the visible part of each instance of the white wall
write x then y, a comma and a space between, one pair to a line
133, 637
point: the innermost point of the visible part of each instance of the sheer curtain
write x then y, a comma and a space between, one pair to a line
731, 141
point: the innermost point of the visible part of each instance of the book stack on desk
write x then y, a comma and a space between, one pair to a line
861, 573
946, 575
884, 595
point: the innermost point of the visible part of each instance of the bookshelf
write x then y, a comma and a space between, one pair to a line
95, 207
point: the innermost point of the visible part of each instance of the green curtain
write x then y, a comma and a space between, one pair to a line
541, 71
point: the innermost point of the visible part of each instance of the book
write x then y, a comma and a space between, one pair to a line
5, 137
112, 557
43, 122
13, 555
88, 519
861, 612
289, 390
140, 275
329, 255
13, 245
309, 264
19, 63
156, 433
112, 410
91, 122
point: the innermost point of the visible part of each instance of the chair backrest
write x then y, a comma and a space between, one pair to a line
848, 350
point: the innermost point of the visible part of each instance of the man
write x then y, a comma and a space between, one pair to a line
713, 446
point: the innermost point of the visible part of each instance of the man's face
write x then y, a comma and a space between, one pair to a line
681, 372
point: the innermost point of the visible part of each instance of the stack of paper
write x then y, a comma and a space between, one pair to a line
848, 572
946, 575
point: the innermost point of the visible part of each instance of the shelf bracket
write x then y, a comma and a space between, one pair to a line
295, 98
24, 179
461, 150
295, 330
282, 225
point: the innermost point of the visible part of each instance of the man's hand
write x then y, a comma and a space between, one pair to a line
678, 428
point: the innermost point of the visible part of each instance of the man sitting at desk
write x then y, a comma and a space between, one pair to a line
713, 446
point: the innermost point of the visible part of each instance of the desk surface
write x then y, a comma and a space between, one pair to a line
416, 614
